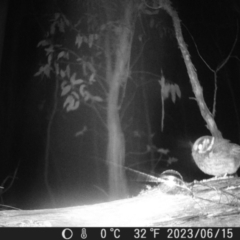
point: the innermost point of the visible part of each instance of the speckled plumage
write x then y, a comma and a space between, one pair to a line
216, 156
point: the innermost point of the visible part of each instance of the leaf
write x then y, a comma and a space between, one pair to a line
49, 50
62, 73
66, 21
178, 91
165, 91
163, 151
68, 71
56, 16
97, 99
38, 72
65, 90
92, 78
47, 70
53, 28
78, 81
162, 82
90, 42
70, 103
50, 58
72, 79
173, 97
75, 105
84, 93
82, 90
167, 88
171, 160
79, 40
63, 84
81, 132
75, 81
44, 70
90, 67
87, 96
61, 54
75, 95
43, 43
175, 91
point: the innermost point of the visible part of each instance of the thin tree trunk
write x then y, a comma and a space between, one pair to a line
117, 75
48, 143
116, 150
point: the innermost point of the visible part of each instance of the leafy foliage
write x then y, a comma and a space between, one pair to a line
168, 89
67, 63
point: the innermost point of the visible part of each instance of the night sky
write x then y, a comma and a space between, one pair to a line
77, 169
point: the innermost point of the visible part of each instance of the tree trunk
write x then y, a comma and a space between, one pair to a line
117, 75
116, 149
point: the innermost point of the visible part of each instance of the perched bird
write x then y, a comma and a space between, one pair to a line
216, 156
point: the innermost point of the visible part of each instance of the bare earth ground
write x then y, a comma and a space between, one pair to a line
214, 203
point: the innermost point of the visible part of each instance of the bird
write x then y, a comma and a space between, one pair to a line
216, 156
